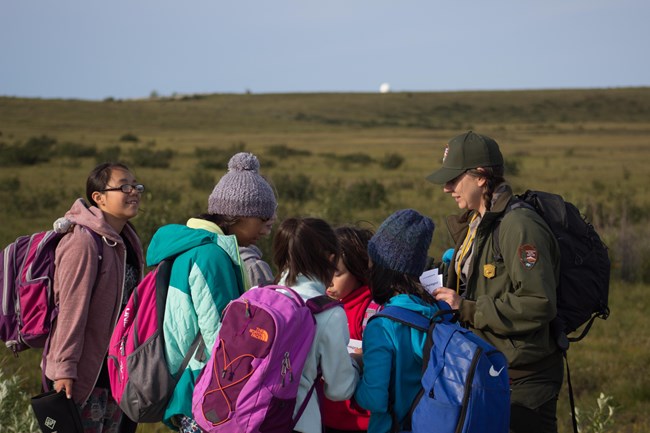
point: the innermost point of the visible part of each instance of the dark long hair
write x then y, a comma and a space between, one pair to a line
305, 246
353, 242
223, 221
493, 178
386, 283
99, 176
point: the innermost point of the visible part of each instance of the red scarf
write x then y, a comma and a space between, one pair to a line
355, 305
344, 415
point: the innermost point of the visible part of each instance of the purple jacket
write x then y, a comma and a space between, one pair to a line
87, 315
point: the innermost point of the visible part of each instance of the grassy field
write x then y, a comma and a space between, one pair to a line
329, 155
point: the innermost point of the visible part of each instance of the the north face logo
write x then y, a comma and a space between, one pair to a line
259, 334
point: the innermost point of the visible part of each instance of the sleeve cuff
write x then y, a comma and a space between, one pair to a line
467, 311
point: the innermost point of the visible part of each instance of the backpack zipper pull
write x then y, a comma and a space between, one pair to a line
286, 366
289, 368
248, 308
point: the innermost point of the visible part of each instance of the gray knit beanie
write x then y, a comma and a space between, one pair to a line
402, 242
242, 192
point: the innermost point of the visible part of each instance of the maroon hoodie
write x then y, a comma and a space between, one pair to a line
89, 294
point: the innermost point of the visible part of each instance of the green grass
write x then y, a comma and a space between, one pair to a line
591, 146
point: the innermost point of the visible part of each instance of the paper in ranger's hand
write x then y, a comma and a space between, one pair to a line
431, 280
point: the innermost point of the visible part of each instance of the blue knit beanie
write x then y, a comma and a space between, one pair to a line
402, 242
243, 192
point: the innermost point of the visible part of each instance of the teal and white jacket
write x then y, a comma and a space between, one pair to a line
206, 275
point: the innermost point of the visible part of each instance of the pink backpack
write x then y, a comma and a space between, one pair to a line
141, 381
26, 284
251, 381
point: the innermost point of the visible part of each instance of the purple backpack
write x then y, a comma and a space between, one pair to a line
251, 381
26, 284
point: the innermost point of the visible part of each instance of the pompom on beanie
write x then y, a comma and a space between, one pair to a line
402, 242
243, 192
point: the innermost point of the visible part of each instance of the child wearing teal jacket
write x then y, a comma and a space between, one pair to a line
208, 271
392, 352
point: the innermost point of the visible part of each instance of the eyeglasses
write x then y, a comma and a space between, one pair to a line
126, 188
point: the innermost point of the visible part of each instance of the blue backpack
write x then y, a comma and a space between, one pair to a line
465, 384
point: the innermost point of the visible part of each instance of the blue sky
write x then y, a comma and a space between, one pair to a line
128, 48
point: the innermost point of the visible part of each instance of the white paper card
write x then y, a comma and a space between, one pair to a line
431, 280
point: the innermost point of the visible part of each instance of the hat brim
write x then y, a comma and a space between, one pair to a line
444, 175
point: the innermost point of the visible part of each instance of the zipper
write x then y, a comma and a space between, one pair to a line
286, 368
101, 262
28, 277
247, 305
5, 284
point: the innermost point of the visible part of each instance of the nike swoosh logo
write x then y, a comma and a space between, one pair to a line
495, 373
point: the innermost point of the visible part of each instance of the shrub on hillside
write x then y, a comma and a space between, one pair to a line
147, 157
129, 137
109, 154
32, 152
366, 194
39, 148
332, 197
10, 184
76, 150
296, 188
34, 203
15, 410
202, 180
216, 158
391, 161
356, 158
511, 167
164, 204
284, 151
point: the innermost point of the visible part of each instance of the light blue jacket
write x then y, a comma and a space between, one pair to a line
392, 365
329, 352
206, 276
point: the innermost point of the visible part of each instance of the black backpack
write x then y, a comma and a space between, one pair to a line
583, 289
584, 264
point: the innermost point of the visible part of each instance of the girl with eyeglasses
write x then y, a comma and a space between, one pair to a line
98, 263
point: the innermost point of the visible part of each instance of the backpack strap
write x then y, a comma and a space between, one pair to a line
198, 347
515, 202
316, 305
164, 270
405, 317
417, 321
322, 303
288, 291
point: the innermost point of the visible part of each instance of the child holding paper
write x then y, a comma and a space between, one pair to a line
392, 351
350, 286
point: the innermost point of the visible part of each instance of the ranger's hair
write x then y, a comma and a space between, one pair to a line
493, 177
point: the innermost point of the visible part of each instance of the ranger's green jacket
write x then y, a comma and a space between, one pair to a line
510, 300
